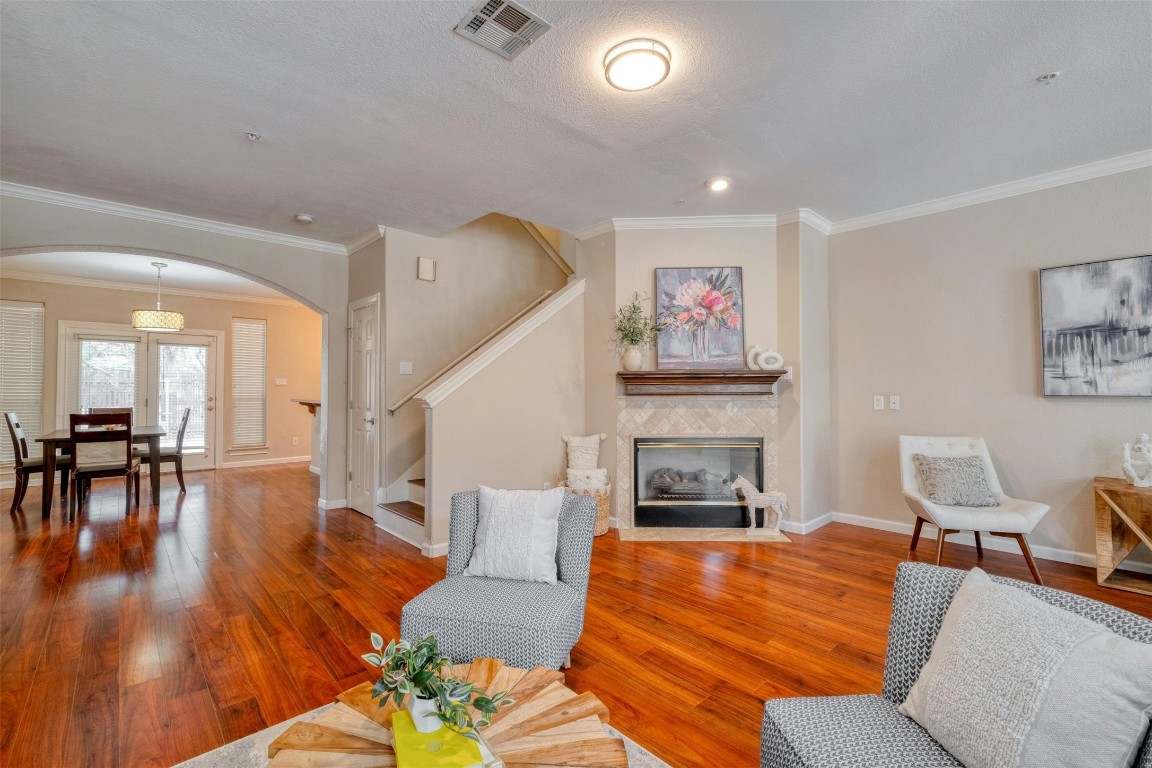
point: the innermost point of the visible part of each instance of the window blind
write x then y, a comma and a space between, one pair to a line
249, 383
22, 363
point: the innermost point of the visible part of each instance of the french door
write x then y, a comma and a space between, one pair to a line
157, 375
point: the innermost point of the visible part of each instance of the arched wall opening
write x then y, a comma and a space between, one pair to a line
315, 276
95, 288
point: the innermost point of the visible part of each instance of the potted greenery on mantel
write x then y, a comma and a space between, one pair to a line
632, 331
415, 671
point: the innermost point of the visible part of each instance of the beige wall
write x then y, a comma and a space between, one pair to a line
294, 348
318, 279
943, 310
486, 272
595, 261
805, 456
503, 427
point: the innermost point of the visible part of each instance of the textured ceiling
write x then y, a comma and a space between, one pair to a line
377, 113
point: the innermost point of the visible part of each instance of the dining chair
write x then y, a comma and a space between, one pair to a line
101, 446
25, 466
110, 410
175, 455
1010, 518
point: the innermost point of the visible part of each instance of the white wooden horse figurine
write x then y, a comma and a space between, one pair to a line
774, 504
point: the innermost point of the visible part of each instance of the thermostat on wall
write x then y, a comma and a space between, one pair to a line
425, 269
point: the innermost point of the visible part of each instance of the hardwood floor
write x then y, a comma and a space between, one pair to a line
146, 640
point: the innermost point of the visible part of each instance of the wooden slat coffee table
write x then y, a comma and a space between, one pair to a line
548, 725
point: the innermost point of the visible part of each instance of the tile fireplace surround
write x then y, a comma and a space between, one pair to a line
640, 416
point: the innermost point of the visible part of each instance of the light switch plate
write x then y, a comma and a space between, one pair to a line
281, 382
878, 402
406, 369
894, 403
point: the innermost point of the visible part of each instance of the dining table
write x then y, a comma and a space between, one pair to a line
53, 441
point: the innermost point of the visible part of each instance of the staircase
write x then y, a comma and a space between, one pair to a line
413, 508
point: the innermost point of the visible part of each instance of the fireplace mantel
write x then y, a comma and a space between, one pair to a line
701, 382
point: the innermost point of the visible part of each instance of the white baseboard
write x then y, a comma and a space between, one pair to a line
32, 482
331, 503
789, 526
997, 543
266, 462
314, 470
434, 550
613, 522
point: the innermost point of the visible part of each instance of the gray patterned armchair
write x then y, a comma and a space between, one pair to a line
525, 623
868, 731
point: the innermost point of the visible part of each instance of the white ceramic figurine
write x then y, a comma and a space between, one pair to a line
1138, 462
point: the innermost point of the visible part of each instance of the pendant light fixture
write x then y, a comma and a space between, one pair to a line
157, 320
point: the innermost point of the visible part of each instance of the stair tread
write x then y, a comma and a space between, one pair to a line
406, 509
418, 481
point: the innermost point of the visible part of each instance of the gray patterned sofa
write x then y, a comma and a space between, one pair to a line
868, 731
525, 623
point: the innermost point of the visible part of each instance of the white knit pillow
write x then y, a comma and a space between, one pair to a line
581, 480
516, 535
583, 452
1015, 682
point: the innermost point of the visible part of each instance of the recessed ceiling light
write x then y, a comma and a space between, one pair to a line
1048, 78
303, 218
252, 136
718, 183
637, 65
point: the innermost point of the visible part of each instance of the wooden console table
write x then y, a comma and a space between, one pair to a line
1123, 520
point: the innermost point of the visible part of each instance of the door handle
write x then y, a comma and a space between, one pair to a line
369, 421
209, 408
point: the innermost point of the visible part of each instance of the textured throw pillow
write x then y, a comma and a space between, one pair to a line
516, 535
955, 481
1014, 682
581, 480
583, 452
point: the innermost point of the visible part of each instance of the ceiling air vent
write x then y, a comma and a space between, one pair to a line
502, 26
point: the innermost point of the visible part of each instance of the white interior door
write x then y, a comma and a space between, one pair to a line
363, 375
182, 374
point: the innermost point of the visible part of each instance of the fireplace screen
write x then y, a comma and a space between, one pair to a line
687, 482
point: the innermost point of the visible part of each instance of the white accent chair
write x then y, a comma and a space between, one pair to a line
1011, 518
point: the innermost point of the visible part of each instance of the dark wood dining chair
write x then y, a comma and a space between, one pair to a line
110, 410
25, 466
101, 446
175, 455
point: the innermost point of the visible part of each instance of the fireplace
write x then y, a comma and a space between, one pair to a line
686, 482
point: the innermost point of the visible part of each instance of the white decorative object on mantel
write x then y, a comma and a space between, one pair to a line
759, 359
1138, 461
773, 501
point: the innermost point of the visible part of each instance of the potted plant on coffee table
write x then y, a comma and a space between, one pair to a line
414, 674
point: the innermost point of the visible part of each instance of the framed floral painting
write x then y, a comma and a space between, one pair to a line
700, 316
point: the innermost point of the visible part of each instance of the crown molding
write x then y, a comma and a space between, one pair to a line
91, 282
163, 217
805, 216
677, 222
1131, 162
367, 238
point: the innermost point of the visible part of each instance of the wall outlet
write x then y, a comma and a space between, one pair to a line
406, 369
295, 441
877, 402
281, 382
894, 403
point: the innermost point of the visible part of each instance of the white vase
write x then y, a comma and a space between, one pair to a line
423, 713
632, 359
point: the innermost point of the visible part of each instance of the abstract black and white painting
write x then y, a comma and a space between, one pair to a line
1096, 327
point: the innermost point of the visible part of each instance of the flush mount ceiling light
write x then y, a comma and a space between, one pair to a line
637, 65
1048, 78
303, 218
718, 183
157, 320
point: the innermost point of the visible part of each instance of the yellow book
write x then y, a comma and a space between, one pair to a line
444, 748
